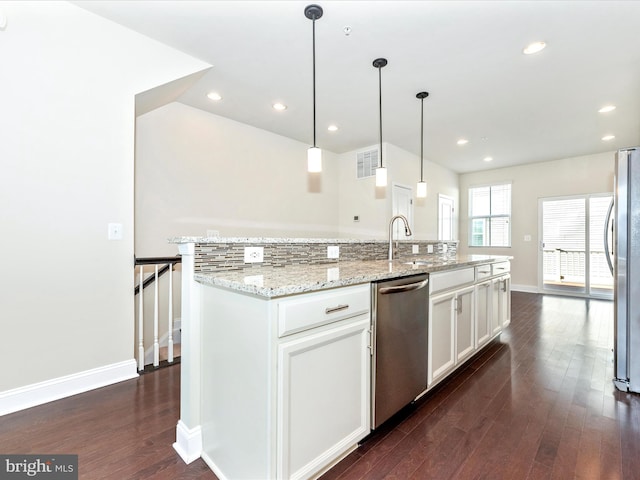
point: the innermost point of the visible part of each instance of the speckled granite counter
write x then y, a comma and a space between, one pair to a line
272, 282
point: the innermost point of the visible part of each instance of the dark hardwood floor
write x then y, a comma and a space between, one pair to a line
538, 404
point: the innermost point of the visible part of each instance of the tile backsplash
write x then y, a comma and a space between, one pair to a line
228, 254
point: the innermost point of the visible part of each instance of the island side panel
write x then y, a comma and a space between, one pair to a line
237, 376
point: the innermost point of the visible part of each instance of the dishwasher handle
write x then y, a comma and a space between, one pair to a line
404, 288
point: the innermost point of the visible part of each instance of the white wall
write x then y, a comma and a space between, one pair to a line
68, 84
373, 205
571, 176
197, 171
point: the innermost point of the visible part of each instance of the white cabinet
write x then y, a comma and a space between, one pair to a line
285, 382
495, 325
323, 396
451, 323
441, 336
483, 313
504, 303
465, 328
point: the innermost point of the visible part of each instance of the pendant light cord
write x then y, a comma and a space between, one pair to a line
421, 138
380, 106
314, 82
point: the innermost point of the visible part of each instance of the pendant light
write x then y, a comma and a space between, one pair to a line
421, 191
314, 154
381, 171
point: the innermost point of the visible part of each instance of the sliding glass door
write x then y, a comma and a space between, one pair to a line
572, 248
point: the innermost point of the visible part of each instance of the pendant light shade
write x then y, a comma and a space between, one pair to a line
314, 154
421, 190
314, 160
381, 171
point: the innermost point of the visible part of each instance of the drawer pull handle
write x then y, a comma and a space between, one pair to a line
500, 268
484, 271
330, 310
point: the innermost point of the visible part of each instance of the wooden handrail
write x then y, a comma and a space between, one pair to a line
169, 262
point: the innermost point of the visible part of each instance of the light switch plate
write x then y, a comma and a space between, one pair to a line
429, 248
415, 249
333, 251
114, 231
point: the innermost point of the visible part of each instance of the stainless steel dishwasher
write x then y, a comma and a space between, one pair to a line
400, 328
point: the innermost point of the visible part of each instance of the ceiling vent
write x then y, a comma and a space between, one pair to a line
366, 163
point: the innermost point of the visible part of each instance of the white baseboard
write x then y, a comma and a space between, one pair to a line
188, 442
214, 468
524, 288
43, 392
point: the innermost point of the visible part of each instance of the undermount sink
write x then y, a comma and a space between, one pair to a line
418, 262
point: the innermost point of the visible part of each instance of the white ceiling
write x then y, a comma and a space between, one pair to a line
467, 55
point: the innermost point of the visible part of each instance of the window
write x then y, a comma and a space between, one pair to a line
490, 216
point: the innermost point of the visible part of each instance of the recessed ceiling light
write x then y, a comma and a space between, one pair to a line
332, 128
462, 141
279, 106
534, 47
487, 159
606, 138
215, 96
607, 108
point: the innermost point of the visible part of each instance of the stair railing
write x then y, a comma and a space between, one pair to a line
161, 265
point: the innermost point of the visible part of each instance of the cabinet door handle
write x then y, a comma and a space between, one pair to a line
330, 310
459, 306
504, 285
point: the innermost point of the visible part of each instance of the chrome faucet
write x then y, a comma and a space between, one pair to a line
407, 232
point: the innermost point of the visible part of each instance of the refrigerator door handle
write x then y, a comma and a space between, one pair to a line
607, 252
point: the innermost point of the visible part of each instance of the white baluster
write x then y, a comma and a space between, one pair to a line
141, 320
170, 342
156, 345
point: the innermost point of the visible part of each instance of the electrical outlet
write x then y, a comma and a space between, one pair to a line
415, 249
213, 233
445, 248
253, 254
333, 251
429, 248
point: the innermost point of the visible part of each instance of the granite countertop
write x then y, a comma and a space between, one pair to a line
272, 282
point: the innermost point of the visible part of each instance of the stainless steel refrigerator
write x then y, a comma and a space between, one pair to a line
625, 264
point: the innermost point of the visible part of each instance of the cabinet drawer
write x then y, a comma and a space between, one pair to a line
316, 309
500, 268
482, 272
447, 280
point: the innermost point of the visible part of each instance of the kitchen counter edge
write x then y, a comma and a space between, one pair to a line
274, 282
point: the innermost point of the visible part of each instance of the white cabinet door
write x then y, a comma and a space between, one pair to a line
465, 341
505, 300
483, 313
441, 336
323, 396
495, 324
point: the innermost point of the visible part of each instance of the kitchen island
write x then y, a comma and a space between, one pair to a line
278, 377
